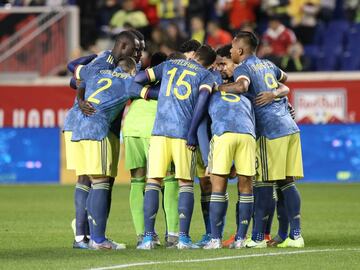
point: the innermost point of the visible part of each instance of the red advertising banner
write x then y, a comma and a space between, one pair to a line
315, 101
34, 106
321, 102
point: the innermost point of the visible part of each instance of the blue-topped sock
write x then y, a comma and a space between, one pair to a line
224, 215
81, 195
185, 208
151, 207
99, 203
292, 203
217, 211
205, 205
271, 211
246, 203
264, 198
282, 216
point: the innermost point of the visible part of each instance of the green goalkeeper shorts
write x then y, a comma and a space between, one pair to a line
136, 152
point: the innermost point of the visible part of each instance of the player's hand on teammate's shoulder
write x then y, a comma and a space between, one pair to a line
264, 98
86, 107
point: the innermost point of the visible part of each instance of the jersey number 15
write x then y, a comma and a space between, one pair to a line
180, 82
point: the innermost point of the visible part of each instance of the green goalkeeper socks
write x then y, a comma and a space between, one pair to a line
137, 203
171, 195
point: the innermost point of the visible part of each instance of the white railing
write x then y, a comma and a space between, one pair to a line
43, 45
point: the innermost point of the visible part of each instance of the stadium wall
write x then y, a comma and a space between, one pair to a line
32, 113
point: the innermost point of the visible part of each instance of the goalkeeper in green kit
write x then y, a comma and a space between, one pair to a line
137, 129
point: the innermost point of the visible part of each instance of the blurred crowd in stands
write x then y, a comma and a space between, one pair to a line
298, 35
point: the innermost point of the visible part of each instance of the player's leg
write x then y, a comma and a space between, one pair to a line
185, 169
218, 207
244, 160
284, 164
81, 193
222, 152
171, 195
135, 161
101, 165
136, 199
283, 220
292, 200
271, 216
205, 188
159, 159
245, 210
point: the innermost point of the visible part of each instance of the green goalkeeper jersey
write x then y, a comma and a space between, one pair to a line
139, 120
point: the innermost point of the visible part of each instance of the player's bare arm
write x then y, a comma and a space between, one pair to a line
266, 97
238, 87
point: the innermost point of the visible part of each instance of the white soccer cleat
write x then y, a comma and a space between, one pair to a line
106, 245
213, 244
186, 243
147, 243
238, 244
255, 244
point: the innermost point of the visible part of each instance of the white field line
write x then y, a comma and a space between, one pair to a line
121, 266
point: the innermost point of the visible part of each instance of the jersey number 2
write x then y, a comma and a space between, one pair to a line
107, 84
180, 82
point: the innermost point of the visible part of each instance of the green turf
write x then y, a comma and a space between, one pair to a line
35, 233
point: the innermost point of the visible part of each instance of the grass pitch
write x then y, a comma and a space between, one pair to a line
35, 233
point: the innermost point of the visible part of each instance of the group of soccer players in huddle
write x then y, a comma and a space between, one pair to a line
194, 113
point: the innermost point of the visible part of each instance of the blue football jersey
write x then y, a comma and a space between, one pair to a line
179, 91
107, 91
217, 76
70, 119
272, 120
103, 61
231, 113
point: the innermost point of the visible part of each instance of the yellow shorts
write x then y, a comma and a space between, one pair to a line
278, 158
229, 148
200, 167
98, 157
163, 150
71, 148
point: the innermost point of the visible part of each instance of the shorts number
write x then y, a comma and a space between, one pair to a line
229, 97
180, 82
270, 81
108, 83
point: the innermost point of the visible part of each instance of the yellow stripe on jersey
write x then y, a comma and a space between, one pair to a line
282, 75
110, 59
144, 91
151, 74
206, 86
243, 77
77, 72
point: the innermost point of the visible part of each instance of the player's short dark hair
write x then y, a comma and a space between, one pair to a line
224, 51
250, 38
125, 35
176, 55
157, 58
127, 64
190, 46
138, 34
206, 55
